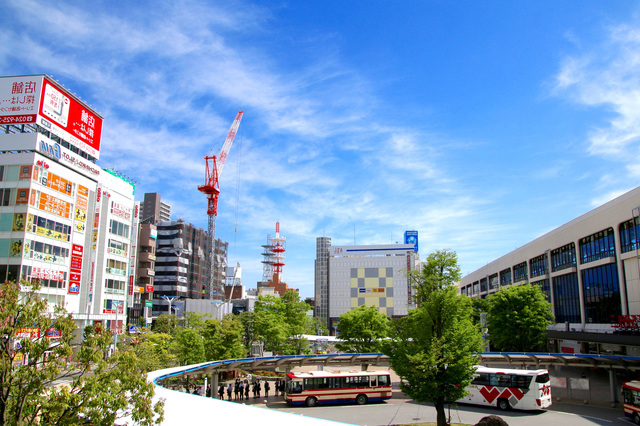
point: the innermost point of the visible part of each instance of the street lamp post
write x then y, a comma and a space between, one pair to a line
170, 299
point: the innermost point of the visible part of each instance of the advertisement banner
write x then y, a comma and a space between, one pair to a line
19, 98
72, 121
37, 99
411, 237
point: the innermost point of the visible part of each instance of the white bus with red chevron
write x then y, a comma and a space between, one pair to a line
509, 388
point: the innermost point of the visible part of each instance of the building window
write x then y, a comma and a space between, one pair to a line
520, 272
493, 282
597, 246
563, 257
505, 277
566, 298
601, 293
629, 234
118, 228
538, 265
483, 285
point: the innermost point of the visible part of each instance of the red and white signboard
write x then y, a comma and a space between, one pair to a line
37, 99
75, 273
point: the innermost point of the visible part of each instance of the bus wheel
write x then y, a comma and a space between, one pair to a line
361, 399
311, 401
503, 404
636, 418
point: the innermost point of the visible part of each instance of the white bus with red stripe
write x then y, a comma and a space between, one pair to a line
631, 396
510, 388
326, 387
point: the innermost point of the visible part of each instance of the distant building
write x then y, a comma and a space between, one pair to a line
588, 269
321, 278
374, 275
140, 310
153, 209
181, 266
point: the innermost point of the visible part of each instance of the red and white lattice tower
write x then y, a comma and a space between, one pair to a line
278, 249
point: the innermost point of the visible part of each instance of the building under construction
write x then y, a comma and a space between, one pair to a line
181, 268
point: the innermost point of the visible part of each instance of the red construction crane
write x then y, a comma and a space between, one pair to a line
212, 189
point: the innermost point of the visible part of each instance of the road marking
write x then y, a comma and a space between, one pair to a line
583, 416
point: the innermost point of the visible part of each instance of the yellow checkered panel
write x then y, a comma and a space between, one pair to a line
372, 287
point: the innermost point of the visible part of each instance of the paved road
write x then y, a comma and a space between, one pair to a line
401, 410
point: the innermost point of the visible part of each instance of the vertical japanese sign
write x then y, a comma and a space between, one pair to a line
75, 271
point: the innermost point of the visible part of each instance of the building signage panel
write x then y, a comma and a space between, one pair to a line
411, 237
19, 98
36, 99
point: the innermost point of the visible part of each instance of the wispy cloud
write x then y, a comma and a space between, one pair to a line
608, 77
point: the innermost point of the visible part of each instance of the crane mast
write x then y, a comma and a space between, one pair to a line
211, 189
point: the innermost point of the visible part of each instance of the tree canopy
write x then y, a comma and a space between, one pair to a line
362, 329
280, 323
440, 270
223, 339
518, 318
37, 350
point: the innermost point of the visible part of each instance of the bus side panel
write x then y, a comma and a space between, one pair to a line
489, 395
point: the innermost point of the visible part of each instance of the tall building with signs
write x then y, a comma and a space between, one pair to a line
372, 275
64, 221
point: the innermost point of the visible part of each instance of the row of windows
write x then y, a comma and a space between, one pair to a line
629, 235
118, 228
118, 247
594, 247
26, 274
116, 267
339, 382
563, 257
502, 380
115, 286
597, 246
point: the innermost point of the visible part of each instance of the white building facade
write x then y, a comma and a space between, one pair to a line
371, 275
64, 221
588, 268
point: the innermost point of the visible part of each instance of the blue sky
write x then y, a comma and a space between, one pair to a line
482, 125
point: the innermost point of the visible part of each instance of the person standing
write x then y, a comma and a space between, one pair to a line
229, 390
266, 388
221, 392
246, 389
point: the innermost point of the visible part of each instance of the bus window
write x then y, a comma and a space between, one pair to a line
374, 381
294, 387
542, 378
521, 382
480, 380
384, 381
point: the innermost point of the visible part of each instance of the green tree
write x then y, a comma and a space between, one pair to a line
439, 271
223, 339
362, 330
99, 389
280, 323
194, 320
518, 318
166, 323
189, 346
152, 349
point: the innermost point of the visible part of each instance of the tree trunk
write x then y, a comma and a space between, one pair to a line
441, 418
